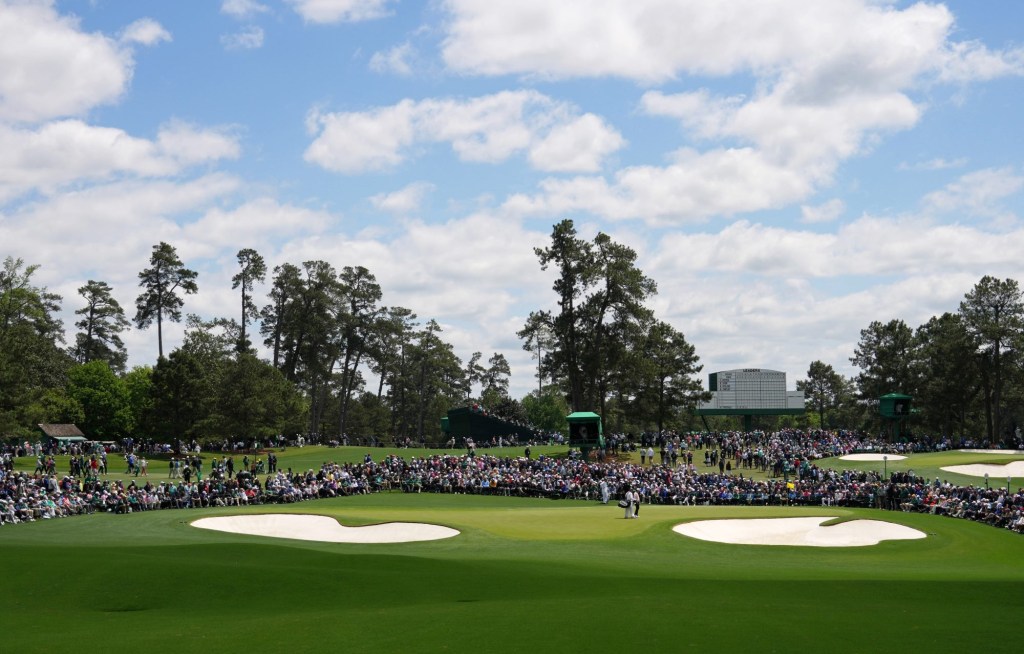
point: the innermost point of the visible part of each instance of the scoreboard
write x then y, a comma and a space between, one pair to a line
751, 389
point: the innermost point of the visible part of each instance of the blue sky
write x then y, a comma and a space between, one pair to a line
787, 171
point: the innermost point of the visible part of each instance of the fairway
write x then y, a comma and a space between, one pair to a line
523, 574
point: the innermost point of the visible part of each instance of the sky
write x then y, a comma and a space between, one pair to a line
786, 171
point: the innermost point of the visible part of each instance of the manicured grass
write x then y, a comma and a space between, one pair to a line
299, 459
524, 575
930, 465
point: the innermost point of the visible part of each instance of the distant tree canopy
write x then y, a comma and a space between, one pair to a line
162, 281
603, 343
33, 362
964, 370
340, 362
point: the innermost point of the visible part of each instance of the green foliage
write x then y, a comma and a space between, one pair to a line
183, 395
886, 356
102, 323
252, 269
601, 295
138, 383
993, 313
822, 389
666, 380
950, 375
54, 406
496, 376
254, 400
33, 364
162, 281
547, 410
105, 401
358, 315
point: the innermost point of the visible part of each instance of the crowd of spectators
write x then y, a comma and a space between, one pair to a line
687, 469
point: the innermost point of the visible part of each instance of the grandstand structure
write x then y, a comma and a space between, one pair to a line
474, 423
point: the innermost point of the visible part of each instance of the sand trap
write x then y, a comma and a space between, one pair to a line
993, 451
1011, 469
872, 457
806, 532
322, 528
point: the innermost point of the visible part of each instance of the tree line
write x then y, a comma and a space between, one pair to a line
337, 360
964, 370
323, 329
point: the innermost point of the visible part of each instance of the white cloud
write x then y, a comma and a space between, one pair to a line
259, 223
62, 152
249, 38
806, 139
790, 149
415, 268
967, 62
404, 201
242, 9
580, 145
782, 298
145, 31
190, 145
340, 11
695, 187
50, 68
823, 213
785, 325
395, 60
938, 163
485, 129
868, 246
830, 79
659, 40
130, 216
980, 193
359, 141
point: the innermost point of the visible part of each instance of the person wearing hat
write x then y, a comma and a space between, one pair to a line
631, 501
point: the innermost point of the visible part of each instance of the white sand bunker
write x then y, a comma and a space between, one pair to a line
993, 451
323, 528
872, 457
806, 532
1011, 469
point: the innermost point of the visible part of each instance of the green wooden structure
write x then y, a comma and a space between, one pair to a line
585, 431
467, 422
895, 405
894, 409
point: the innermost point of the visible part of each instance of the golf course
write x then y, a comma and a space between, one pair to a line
519, 575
